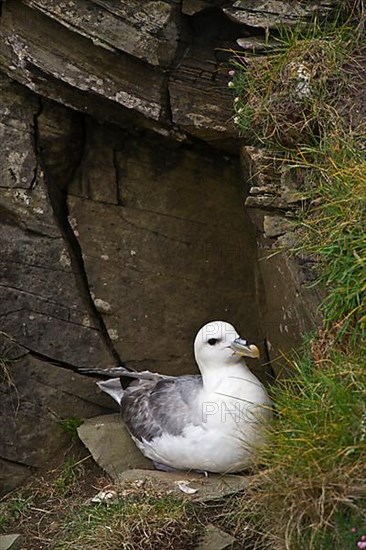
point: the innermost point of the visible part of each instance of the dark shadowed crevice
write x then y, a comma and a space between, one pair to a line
51, 360
70, 367
31, 468
212, 26
57, 184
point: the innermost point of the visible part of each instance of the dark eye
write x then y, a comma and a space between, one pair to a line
212, 341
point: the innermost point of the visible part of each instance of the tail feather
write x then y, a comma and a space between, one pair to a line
107, 373
119, 378
119, 372
113, 388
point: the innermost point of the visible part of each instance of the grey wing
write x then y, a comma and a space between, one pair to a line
151, 408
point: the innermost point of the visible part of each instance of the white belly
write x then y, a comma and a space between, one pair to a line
214, 446
211, 452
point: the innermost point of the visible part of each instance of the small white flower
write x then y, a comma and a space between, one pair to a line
237, 99
240, 110
231, 84
236, 119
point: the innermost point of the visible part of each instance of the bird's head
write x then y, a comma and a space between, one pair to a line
218, 343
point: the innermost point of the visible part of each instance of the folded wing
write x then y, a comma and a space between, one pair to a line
151, 408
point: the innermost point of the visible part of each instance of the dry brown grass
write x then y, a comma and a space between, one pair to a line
54, 511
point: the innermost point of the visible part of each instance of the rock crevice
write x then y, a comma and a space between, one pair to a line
57, 185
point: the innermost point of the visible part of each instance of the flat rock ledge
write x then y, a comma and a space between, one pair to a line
213, 487
10, 542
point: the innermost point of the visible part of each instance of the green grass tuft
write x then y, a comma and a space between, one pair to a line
68, 477
314, 466
288, 99
70, 426
335, 230
13, 510
319, 412
310, 489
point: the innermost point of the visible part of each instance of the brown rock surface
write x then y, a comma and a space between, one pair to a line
171, 255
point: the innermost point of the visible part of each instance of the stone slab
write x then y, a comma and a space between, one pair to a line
111, 445
216, 539
10, 542
35, 48
209, 488
272, 14
146, 30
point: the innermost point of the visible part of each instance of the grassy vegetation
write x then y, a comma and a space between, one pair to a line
56, 511
13, 510
312, 489
142, 520
335, 230
289, 98
312, 485
63, 484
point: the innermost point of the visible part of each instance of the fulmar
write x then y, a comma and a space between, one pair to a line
212, 422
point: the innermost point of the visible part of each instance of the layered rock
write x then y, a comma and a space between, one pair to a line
41, 304
274, 14
115, 242
290, 306
117, 62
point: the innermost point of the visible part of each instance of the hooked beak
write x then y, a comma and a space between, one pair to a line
244, 348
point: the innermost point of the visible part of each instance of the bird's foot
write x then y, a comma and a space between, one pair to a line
204, 472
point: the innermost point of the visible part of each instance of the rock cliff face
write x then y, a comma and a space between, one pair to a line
121, 203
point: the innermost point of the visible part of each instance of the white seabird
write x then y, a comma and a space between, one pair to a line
211, 422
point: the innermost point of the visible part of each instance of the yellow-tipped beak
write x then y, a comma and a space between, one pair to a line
245, 349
